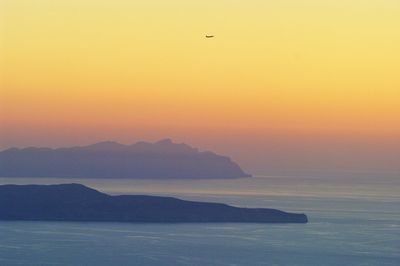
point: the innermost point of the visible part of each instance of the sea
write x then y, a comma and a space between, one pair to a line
352, 221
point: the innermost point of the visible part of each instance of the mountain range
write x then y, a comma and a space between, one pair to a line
160, 160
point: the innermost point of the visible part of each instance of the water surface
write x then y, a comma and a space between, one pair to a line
352, 222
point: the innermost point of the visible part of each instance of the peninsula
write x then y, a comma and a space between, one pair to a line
76, 202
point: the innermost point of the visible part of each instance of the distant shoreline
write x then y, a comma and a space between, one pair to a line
163, 159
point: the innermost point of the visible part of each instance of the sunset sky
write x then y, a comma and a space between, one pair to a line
284, 87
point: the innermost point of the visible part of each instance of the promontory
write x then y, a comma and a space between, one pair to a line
76, 202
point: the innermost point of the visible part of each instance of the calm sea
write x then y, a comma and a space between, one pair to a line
353, 221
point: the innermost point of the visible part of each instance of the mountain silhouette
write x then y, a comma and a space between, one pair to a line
160, 160
75, 202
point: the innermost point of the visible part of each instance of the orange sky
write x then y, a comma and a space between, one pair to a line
76, 72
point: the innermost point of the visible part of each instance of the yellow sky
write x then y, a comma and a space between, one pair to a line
300, 66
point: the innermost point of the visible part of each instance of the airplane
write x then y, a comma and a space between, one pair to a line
209, 36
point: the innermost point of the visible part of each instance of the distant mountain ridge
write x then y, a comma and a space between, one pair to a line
76, 202
160, 160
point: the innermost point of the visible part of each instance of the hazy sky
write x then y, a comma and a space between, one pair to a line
285, 86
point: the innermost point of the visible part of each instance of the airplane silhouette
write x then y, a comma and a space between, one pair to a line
209, 36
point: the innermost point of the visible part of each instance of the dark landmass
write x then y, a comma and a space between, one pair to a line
75, 202
161, 160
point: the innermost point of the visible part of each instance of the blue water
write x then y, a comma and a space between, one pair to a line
352, 222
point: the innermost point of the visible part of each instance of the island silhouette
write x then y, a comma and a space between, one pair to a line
163, 159
76, 202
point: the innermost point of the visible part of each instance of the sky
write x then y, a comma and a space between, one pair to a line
284, 88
